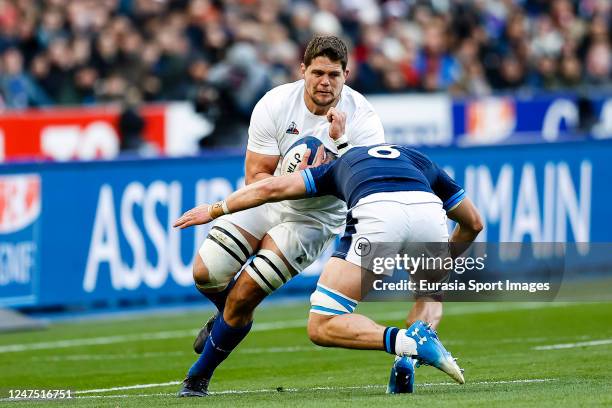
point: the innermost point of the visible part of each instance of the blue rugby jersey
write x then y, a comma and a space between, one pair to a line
365, 170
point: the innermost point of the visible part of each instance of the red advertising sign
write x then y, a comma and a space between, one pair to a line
91, 133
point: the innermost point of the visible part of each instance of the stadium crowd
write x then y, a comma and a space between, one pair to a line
225, 54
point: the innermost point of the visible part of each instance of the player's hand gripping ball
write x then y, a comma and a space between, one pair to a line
306, 152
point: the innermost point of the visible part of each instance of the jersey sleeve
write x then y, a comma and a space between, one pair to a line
366, 128
319, 180
447, 189
262, 131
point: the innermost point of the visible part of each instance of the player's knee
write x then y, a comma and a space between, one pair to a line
329, 302
269, 270
326, 303
317, 329
315, 334
222, 254
200, 272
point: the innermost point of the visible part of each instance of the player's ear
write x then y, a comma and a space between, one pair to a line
346, 73
303, 69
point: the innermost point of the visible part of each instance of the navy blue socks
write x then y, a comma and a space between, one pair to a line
221, 342
389, 338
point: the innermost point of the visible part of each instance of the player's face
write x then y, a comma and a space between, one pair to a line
323, 81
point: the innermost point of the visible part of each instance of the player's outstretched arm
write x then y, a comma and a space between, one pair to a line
270, 189
469, 225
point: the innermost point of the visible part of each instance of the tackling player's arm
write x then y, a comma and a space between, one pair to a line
469, 225
270, 189
459, 208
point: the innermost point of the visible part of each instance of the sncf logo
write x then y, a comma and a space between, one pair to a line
19, 201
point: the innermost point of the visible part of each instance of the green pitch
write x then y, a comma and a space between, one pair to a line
545, 355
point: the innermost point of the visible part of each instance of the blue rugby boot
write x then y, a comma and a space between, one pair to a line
402, 376
430, 350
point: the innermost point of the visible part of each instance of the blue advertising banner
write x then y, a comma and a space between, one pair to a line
104, 231
86, 233
534, 119
439, 120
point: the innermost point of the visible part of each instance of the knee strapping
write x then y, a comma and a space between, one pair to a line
269, 270
223, 252
327, 301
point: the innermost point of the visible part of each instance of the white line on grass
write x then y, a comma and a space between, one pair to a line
162, 335
94, 341
166, 354
128, 387
574, 345
264, 326
104, 357
269, 390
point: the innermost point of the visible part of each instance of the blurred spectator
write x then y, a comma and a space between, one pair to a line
51, 26
18, 88
85, 79
245, 76
130, 126
512, 74
61, 71
438, 69
570, 72
545, 76
598, 64
172, 65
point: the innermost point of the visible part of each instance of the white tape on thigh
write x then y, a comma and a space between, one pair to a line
327, 301
268, 270
223, 252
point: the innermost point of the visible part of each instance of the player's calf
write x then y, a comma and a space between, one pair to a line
266, 272
426, 308
242, 301
221, 256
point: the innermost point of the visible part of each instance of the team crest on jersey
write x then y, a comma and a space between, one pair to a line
292, 129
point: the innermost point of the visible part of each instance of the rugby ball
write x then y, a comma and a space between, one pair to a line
295, 154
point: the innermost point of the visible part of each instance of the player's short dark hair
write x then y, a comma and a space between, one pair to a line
328, 46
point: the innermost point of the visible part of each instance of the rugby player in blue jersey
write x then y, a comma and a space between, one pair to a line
395, 194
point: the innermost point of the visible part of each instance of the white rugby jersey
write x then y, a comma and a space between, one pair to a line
281, 118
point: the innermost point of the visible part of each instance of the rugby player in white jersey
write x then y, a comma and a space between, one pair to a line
285, 237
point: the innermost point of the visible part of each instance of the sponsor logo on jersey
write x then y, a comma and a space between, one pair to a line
20, 201
292, 129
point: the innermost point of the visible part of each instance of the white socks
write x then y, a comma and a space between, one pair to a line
405, 345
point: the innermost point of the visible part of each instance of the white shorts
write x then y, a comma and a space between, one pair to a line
300, 238
393, 220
